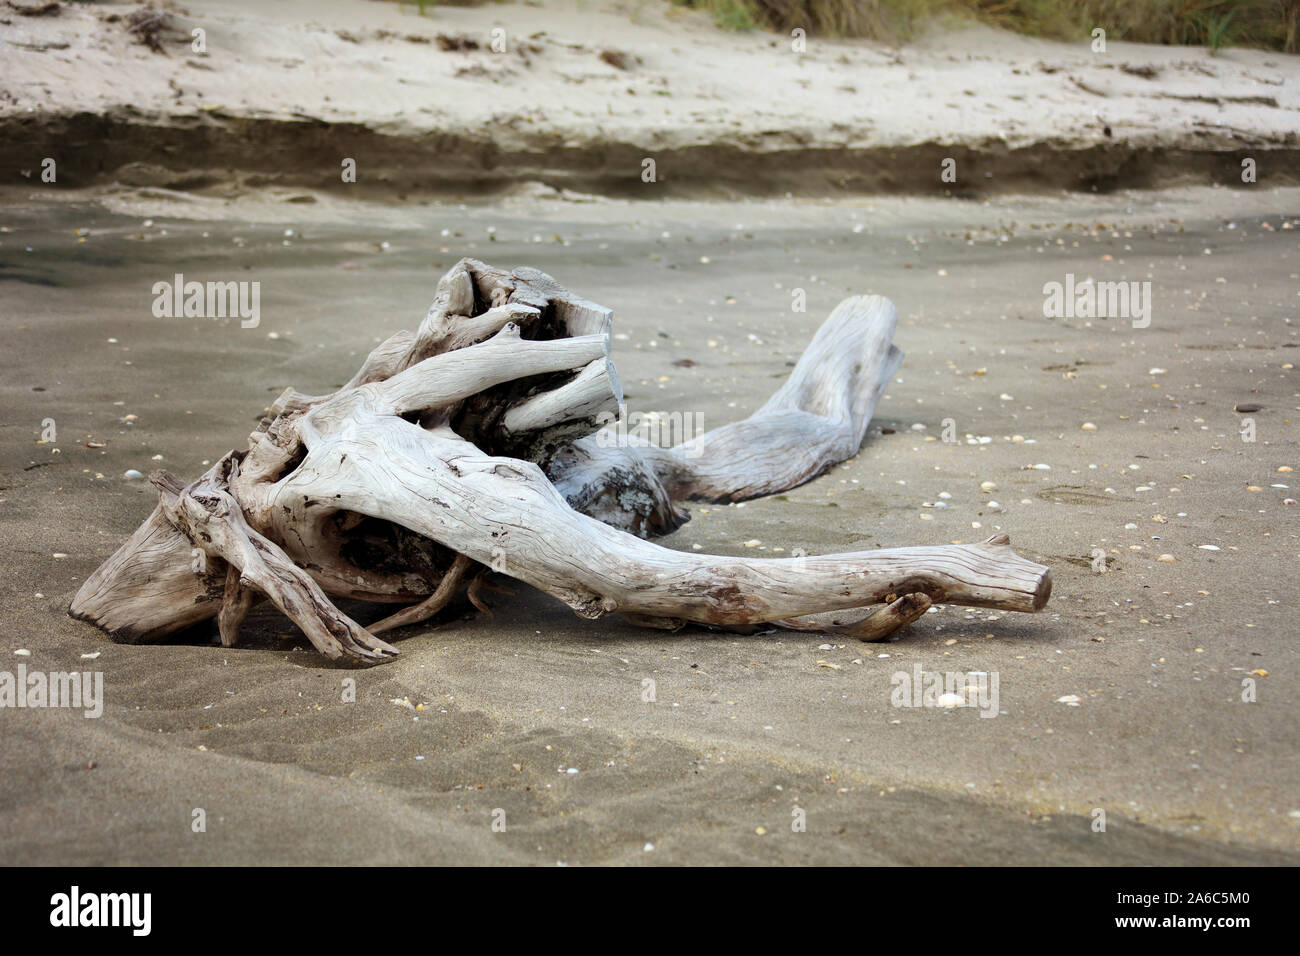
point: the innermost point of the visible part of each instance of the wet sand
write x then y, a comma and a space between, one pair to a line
745, 729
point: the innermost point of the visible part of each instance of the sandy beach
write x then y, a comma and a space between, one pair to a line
745, 728
1148, 465
576, 95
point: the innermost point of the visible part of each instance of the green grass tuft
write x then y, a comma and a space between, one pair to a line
736, 15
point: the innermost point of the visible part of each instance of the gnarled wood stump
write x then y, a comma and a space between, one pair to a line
474, 443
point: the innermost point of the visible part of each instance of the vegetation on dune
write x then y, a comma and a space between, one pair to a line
1273, 24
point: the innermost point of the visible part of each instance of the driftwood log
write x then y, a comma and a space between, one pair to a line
475, 445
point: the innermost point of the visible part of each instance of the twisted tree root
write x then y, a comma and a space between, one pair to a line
476, 440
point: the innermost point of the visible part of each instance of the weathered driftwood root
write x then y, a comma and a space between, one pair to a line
877, 625
207, 515
818, 418
476, 441
431, 605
